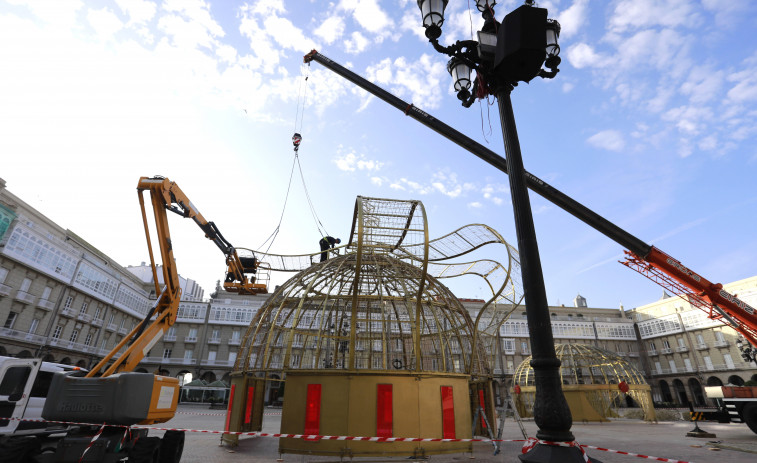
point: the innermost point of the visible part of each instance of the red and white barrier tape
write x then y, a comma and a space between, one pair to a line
528, 443
94, 438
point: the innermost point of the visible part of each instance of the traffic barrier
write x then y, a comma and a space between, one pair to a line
528, 443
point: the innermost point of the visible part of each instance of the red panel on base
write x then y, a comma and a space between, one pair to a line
248, 407
384, 418
448, 413
231, 401
313, 410
483, 408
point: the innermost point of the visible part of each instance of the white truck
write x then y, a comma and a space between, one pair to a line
24, 384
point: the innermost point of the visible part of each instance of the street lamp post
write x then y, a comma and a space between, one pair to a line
505, 54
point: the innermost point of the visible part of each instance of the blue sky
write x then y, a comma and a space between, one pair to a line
652, 123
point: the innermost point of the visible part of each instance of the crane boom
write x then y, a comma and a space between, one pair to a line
642, 257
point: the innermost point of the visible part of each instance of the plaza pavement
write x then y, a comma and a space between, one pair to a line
736, 443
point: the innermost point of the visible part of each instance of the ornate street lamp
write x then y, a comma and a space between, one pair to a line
506, 53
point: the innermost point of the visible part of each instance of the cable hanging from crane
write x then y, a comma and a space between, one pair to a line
296, 141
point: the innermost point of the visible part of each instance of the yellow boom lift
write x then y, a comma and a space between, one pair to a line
112, 393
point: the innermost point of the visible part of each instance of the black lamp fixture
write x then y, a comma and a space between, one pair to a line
517, 49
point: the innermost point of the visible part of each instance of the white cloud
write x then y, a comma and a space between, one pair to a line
475, 205
641, 14
607, 139
582, 55
104, 22
418, 80
350, 162
573, 19
357, 43
369, 15
139, 11
331, 29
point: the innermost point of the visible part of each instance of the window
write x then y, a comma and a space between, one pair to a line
232, 357
11, 320
687, 363
97, 312
524, 347
192, 333
46, 293
103, 343
56, 332
69, 301
665, 344
33, 327
212, 356
188, 354
652, 347
719, 336
88, 339
84, 306
658, 367
216, 334
700, 339
673, 368
167, 353
707, 362
171, 331
681, 342
3, 274
25, 285
235, 335
14, 380
41, 384
112, 316
74, 335
508, 345
728, 361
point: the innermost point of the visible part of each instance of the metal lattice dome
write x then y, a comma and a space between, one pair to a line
584, 364
319, 319
594, 380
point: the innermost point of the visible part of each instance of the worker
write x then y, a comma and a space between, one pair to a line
326, 243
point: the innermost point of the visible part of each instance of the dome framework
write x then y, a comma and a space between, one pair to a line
591, 379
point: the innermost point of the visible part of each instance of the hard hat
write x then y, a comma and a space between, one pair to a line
338, 240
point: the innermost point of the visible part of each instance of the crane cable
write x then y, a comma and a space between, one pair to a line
296, 140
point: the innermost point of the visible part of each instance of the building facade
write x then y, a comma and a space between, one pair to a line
64, 301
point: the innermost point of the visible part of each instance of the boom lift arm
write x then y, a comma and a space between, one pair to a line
642, 257
167, 196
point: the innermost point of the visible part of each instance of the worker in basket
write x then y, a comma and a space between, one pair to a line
327, 243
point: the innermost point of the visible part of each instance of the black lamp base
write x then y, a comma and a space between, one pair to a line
543, 453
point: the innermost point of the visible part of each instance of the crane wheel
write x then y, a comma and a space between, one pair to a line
145, 450
749, 413
19, 449
172, 447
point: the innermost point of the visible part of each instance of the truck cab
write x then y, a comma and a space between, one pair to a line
24, 384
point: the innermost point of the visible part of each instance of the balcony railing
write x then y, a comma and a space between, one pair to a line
217, 363
5, 290
666, 350
123, 330
234, 342
633, 354
45, 304
84, 317
722, 343
21, 336
68, 312
682, 349
169, 338
97, 322
23, 296
702, 346
190, 338
111, 327
652, 352
214, 341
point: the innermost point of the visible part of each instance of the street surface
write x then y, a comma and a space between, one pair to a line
665, 439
